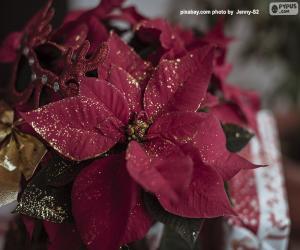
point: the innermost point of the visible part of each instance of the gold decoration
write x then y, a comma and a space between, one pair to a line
9, 186
47, 196
43, 204
20, 154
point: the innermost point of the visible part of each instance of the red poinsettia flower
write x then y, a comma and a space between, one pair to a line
170, 42
91, 25
172, 151
240, 106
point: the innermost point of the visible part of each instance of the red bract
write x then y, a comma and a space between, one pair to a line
103, 197
179, 84
84, 126
149, 165
174, 152
133, 91
209, 139
123, 56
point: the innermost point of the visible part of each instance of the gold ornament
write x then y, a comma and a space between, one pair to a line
20, 154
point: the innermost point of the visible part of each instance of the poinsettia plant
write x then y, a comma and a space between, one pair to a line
137, 131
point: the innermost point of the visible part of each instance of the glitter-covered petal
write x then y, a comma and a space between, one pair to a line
79, 128
124, 56
179, 84
165, 175
203, 131
179, 126
205, 197
195, 70
139, 221
128, 85
113, 99
200, 188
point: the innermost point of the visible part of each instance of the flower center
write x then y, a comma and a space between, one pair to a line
137, 130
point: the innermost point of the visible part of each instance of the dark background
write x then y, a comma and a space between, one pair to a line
15, 13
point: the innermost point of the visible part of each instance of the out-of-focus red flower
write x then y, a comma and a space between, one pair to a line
161, 34
231, 104
91, 25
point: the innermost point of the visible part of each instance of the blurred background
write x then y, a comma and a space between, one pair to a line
265, 56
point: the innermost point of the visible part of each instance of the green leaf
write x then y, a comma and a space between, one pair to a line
226, 187
187, 228
172, 240
60, 172
137, 245
47, 196
237, 137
